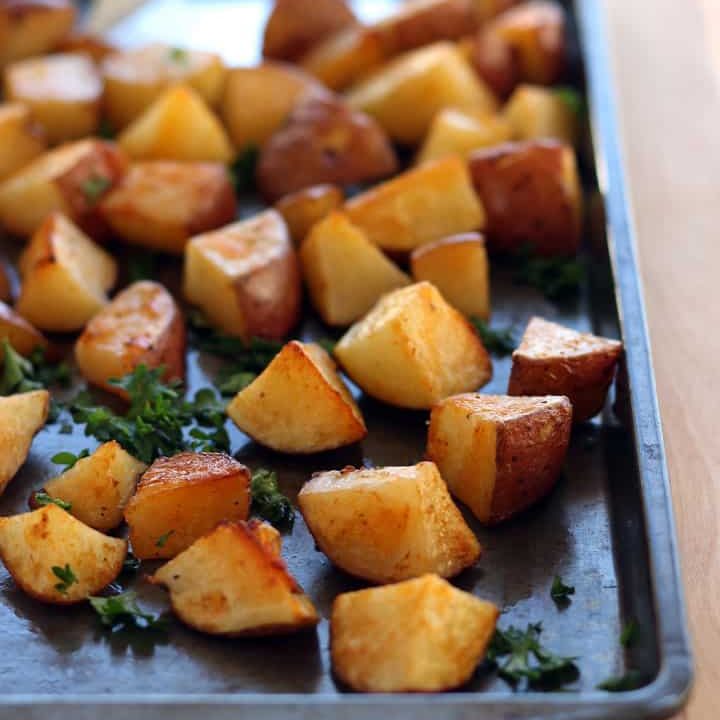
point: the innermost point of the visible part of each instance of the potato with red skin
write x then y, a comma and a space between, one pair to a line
304, 208
493, 59
553, 359
532, 196
486, 10
324, 141
21, 335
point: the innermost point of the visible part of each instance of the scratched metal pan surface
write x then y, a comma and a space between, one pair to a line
607, 529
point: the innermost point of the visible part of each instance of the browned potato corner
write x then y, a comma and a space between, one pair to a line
304, 208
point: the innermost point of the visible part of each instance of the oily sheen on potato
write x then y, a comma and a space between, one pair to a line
21, 335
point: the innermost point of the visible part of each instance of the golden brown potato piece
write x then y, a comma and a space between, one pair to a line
324, 141
33, 27
413, 349
99, 486
161, 204
426, 80
420, 205
63, 93
181, 498
296, 26
70, 179
532, 196
177, 126
499, 454
21, 416
536, 112
302, 209
388, 524
553, 359
231, 583
345, 273
23, 337
257, 100
65, 277
421, 635
245, 277
55, 558
458, 267
493, 59
321, 416
21, 138
96, 47
141, 326
459, 132
135, 79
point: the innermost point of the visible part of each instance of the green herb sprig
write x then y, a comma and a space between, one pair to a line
500, 342
571, 97
20, 374
631, 680
66, 576
268, 502
69, 459
123, 612
94, 186
242, 171
161, 542
41, 498
557, 278
560, 592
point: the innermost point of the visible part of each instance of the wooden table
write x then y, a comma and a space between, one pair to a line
667, 67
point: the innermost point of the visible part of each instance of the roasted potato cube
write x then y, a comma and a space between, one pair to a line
323, 141
322, 414
296, 26
412, 350
177, 126
21, 416
21, 138
33, 27
493, 59
345, 273
257, 100
55, 558
246, 277
14, 328
486, 10
135, 79
63, 93
70, 179
421, 205
388, 524
458, 267
161, 204
553, 359
458, 132
94, 46
99, 486
65, 277
302, 209
421, 635
231, 583
426, 80
499, 454
141, 326
532, 196
536, 112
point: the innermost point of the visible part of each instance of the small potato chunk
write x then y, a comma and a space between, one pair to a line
161, 204
458, 267
302, 209
134, 79
388, 524
70, 179
499, 454
413, 349
532, 196
420, 205
245, 277
421, 635
177, 126
536, 112
55, 558
65, 277
21, 138
181, 498
14, 328
141, 326
62, 91
323, 141
230, 582
96, 47
33, 27
405, 95
322, 414
99, 486
457, 132
555, 359
296, 26
21, 416
493, 59
345, 273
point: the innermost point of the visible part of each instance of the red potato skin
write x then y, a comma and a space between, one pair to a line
494, 62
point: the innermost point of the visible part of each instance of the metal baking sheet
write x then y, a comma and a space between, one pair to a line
607, 529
